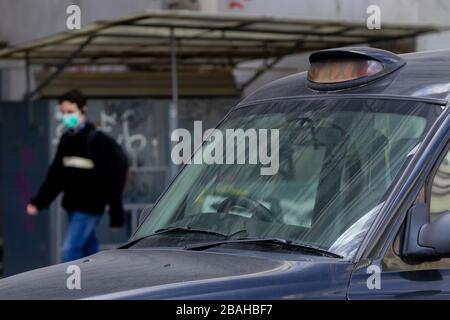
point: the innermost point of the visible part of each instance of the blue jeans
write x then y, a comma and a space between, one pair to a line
80, 240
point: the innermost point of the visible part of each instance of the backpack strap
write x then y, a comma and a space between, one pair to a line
90, 139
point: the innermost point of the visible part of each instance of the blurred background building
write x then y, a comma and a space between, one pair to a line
131, 102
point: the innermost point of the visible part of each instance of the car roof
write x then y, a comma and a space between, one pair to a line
425, 76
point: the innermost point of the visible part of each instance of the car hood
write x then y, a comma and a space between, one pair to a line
180, 274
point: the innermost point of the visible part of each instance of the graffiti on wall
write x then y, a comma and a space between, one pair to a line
140, 127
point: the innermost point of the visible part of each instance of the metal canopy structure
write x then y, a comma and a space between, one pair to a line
201, 39
173, 39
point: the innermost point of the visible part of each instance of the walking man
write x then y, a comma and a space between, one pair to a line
90, 169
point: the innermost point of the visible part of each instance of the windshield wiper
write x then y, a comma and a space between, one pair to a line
169, 230
187, 229
178, 229
269, 241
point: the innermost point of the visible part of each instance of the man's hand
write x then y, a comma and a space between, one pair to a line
32, 210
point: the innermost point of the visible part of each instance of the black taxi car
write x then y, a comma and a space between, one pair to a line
359, 208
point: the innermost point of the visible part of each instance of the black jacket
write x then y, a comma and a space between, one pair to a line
82, 171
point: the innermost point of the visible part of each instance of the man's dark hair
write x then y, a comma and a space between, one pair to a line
74, 96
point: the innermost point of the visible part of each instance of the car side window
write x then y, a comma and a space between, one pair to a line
437, 196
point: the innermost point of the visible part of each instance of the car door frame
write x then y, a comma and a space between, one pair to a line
369, 258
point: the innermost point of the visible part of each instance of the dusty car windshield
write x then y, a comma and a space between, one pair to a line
337, 162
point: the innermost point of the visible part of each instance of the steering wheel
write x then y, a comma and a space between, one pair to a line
260, 211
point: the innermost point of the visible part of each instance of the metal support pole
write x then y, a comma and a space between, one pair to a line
27, 74
27, 97
173, 108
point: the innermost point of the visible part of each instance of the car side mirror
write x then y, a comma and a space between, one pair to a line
144, 214
424, 240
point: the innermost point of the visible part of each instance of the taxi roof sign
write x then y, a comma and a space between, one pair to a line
337, 69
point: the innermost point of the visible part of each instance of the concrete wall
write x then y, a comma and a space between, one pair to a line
402, 11
24, 20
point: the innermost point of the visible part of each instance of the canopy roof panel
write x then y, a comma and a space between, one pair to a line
202, 39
